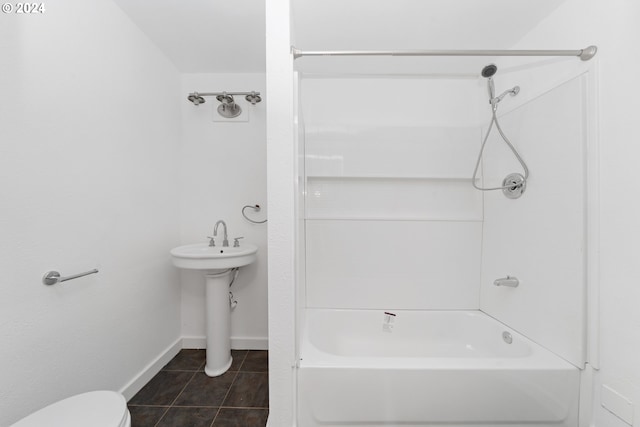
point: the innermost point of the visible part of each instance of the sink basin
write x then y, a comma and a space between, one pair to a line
201, 256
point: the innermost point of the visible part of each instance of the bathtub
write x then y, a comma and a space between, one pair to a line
428, 368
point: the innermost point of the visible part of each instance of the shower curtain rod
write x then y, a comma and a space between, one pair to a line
584, 54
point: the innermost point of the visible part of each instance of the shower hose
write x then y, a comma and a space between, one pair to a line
494, 119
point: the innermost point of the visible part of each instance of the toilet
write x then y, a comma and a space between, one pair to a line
95, 409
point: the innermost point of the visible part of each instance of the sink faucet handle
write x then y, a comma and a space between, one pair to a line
211, 241
236, 243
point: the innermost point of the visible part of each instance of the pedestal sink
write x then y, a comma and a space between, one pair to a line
218, 264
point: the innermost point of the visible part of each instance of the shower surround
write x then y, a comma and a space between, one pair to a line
389, 221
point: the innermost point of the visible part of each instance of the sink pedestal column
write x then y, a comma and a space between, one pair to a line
218, 313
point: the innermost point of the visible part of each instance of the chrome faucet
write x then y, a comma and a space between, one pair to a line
225, 241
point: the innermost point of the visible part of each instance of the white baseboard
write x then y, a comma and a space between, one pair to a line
249, 343
237, 343
144, 376
195, 343
139, 381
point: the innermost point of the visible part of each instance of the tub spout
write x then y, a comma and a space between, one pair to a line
511, 282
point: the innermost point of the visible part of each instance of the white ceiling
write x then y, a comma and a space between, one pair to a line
415, 24
216, 36
412, 24
204, 36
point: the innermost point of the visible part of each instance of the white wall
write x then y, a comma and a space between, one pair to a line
282, 188
223, 169
390, 210
613, 27
89, 132
620, 228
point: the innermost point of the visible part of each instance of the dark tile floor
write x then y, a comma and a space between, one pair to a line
182, 395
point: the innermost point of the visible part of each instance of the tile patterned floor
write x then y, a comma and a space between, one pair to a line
182, 395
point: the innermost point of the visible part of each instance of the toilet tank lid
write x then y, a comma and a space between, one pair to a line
96, 409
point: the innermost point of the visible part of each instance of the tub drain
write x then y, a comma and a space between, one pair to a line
506, 336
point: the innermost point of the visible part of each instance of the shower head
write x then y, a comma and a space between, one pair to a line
489, 70
195, 98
